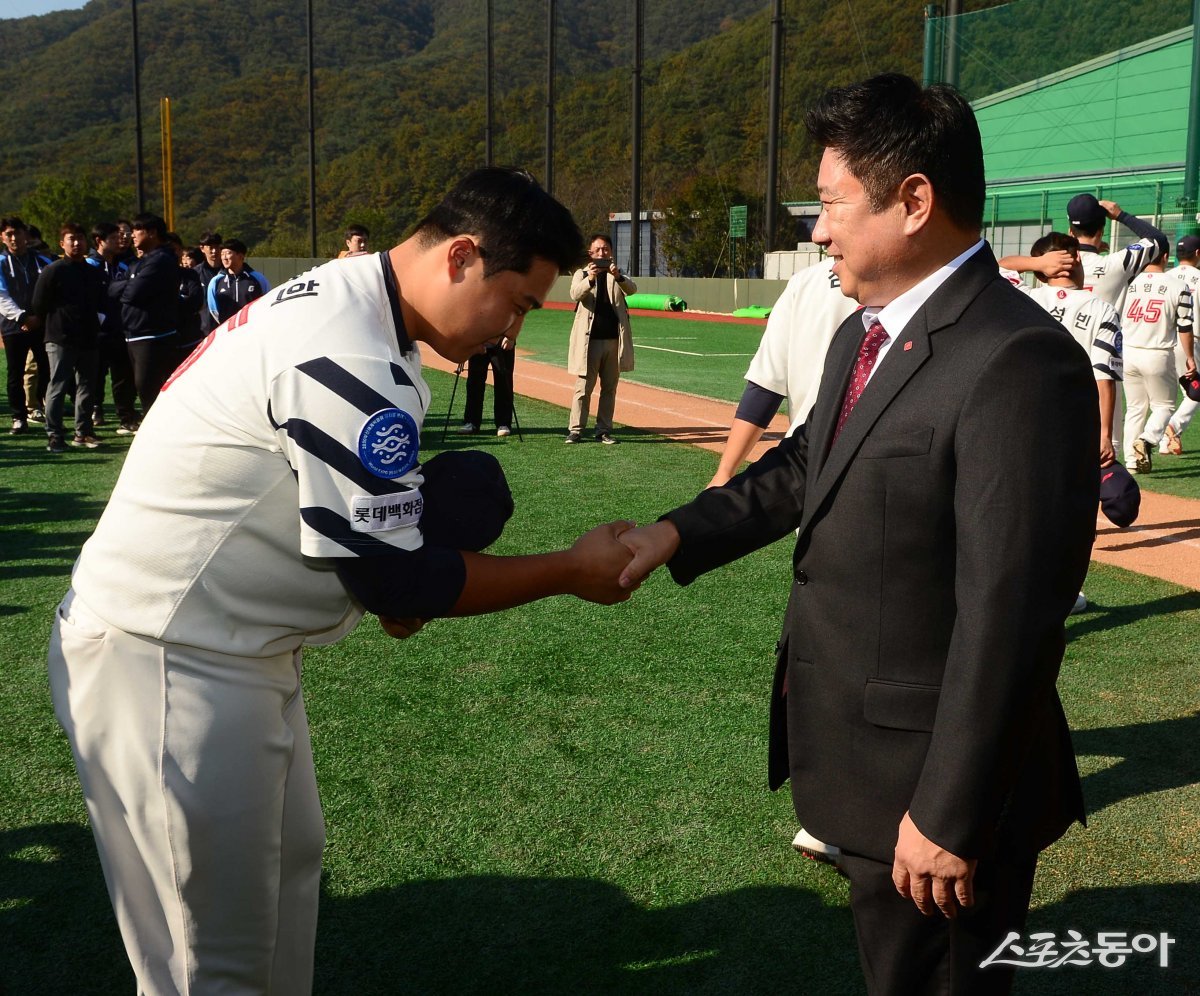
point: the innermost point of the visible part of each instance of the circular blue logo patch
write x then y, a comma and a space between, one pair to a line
389, 443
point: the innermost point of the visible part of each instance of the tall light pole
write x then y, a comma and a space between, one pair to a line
312, 141
487, 90
550, 96
772, 204
635, 215
137, 110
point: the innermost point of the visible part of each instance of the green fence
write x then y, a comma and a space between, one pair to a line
985, 51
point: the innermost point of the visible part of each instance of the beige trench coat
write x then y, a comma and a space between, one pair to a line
584, 297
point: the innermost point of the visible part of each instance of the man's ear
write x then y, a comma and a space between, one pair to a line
459, 253
917, 198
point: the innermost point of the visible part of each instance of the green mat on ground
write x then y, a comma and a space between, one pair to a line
656, 302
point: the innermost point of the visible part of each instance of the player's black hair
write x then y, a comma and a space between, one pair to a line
357, 230
174, 239
102, 230
211, 239
889, 127
235, 245
73, 227
514, 219
1055, 242
13, 222
150, 223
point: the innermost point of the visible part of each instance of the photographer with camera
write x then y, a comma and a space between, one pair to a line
601, 341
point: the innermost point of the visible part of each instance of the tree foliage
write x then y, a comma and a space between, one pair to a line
80, 197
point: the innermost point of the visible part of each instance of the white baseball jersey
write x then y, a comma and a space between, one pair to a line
1107, 275
791, 355
1157, 308
1092, 322
289, 437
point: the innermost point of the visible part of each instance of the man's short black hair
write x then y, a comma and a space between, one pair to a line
73, 227
1055, 242
13, 222
357, 230
174, 239
514, 219
234, 245
150, 223
102, 230
889, 127
211, 239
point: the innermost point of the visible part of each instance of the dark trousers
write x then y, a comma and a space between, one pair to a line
70, 366
154, 360
501, 361
17, 347
115, 364
905, 953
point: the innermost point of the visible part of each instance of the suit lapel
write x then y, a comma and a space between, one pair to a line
907, 354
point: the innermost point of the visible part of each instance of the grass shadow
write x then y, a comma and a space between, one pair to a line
1156, 756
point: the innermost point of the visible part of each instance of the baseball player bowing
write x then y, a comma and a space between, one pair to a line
277, 492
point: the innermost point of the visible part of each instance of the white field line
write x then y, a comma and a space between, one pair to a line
684, 352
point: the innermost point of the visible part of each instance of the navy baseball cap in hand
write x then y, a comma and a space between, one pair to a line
1120, 496
467, 500
1190, 382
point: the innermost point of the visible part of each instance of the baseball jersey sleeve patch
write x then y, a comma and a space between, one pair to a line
377, 513
388, 443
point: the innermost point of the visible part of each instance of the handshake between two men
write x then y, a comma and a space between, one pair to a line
605, 565
467, 503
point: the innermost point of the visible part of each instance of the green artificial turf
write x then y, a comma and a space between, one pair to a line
682, 354
567, 798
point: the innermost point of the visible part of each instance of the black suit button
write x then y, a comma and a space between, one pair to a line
801, 577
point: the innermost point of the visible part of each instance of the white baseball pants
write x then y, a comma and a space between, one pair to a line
198, 776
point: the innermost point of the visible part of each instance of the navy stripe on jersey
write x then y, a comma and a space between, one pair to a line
1137, 257
393, 292
337, 528
348, 387
1104, 344
345, 461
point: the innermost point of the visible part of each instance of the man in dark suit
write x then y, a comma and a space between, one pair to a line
942, 538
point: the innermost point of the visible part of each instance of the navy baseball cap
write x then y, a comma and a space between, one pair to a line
1085, 213
467, 500
1189, 245
1191, 384
1120, 496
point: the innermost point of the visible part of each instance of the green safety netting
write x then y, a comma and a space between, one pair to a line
656, 302
754, 311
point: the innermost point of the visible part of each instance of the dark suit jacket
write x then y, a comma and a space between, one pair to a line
942, 541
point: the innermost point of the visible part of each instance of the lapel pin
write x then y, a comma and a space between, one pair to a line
908, 345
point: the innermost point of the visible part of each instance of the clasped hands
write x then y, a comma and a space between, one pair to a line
605, 565
612, 560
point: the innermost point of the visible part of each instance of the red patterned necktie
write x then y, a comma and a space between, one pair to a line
868, 353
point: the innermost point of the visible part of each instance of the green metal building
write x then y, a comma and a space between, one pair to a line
1115, 126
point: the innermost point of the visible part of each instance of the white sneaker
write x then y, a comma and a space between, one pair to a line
467, 428
504, 430
818, 850
1080, 604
